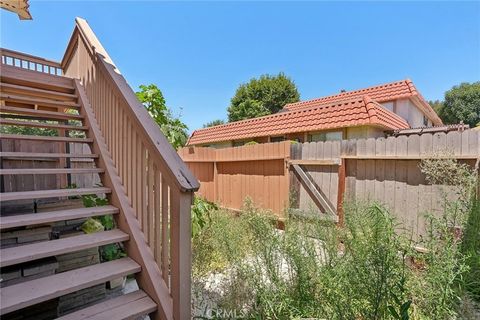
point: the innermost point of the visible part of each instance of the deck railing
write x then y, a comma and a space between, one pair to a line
154, 187
30, 62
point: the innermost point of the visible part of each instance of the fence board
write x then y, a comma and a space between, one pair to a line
257, 172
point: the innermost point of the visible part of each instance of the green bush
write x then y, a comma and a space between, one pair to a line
111, 251
201, 209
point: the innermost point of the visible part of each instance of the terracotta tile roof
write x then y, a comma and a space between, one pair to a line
353, 112
381, 93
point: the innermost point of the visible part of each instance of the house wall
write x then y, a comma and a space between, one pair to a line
364, 132
218, 145
406, 109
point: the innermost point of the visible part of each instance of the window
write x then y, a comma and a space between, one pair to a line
325, 136
425, 121
277, 139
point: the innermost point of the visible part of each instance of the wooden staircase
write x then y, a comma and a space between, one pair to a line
50, 102
82, 109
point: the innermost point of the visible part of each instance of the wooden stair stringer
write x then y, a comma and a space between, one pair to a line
150, 278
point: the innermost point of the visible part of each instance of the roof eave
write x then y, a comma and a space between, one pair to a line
427, 109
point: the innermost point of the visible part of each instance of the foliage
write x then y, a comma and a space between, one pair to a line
263, 96
462, 103
223, 241
25, 130
251, 143
464, 212
110, 251
448, 173
28, 131
92, 225
213, 123
437, 105
201, 214
366, 270
92, 200
172, 127
471, 250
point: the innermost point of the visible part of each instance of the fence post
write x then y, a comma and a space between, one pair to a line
342, 169
215, 180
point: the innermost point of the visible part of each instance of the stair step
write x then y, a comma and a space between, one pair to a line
23, 220
45, 138
43, 194
40, 113
44, 249
54, 95
39, 155
37, 124
37, 101
28, 293
128, 306
20, 171
23, 77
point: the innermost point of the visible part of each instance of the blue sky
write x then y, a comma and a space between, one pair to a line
199, 52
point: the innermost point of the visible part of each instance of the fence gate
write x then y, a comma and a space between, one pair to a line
317, 180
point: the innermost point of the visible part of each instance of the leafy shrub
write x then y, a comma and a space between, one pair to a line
201, 214
471, 250
111, 251
92, 200
222, 241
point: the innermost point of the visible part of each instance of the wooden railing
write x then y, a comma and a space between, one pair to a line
27, 61
150, 184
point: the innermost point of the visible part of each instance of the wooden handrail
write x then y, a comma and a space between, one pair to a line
185, 180
150, 184
30, 62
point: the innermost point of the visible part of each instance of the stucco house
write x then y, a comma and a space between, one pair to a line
363, 113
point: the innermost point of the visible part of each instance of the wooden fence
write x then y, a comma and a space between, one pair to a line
323, 174
228, 176
385, 170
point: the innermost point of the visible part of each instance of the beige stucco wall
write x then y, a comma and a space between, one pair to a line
364, 132
406, 109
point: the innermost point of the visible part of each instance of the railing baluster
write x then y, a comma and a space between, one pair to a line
143, 189
158, 217
165, 232
134, 196
151, 205
129, 155
138, 183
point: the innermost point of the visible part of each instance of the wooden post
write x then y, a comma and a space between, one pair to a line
215, 181
342, 169
180, 235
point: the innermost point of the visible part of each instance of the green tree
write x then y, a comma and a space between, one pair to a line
172, 127
437, 105
213, 123
259, 97
462, 103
